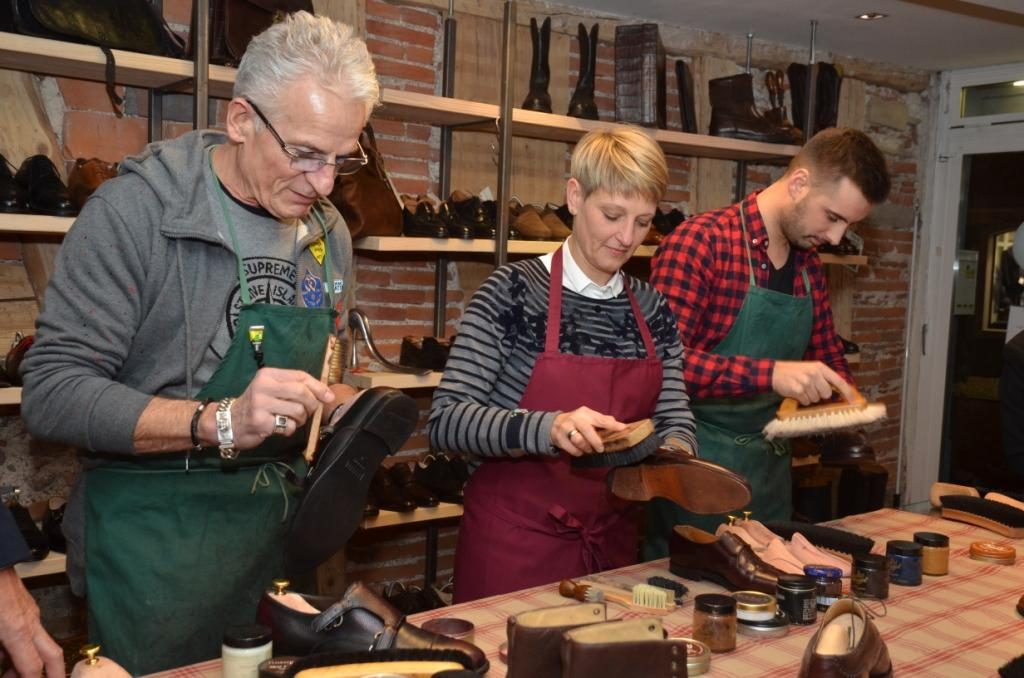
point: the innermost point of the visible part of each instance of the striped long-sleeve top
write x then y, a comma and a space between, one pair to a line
499, 339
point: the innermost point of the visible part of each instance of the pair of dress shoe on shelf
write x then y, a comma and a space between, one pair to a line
396, 489
304, 625
663, 224
849, 347
35, 188
443, 474
537, 224
50, 537
789, 556
420, 218
427, 352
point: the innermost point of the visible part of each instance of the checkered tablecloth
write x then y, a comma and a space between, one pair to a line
962, 624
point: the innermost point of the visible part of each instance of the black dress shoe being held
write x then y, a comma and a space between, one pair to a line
376, 425
46, 191
302, 625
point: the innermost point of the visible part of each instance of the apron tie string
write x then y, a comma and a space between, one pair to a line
567, 523
277, 469
778, 447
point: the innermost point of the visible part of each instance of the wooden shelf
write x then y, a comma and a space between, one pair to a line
843, 260
442, 511
34, 223
10, 395
564, 128
53, 563
369, 379
459, 246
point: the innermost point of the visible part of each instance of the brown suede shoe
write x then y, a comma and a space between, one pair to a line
726, 560
526, 220
846, 644
695, 484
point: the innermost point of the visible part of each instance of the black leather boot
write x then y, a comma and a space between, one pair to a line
827, 96
582, 104
538, 98
687, 110
734, 115
301, 625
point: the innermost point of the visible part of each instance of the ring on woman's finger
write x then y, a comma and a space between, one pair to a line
571, 434
280, 424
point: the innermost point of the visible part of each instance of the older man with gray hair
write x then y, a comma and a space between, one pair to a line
187, 316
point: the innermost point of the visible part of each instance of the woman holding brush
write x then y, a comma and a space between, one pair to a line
550, 352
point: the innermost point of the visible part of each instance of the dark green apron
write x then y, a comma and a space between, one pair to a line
180, 546
770, 325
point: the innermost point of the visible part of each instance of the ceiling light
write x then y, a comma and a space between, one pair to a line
871, 16
1018, 83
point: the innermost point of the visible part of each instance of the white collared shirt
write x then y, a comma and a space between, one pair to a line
576, 280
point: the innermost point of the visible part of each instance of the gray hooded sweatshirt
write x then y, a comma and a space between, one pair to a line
136, 297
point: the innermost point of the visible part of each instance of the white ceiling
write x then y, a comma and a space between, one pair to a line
912, 35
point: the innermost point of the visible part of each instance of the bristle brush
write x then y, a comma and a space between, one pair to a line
643, 598
1000, 518
822, 536
791, 420
631, 445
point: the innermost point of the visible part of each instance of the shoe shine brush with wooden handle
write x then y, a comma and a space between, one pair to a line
632, 444
642, 598
792, 420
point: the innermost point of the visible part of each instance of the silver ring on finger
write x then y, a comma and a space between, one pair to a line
280, 424
571, 434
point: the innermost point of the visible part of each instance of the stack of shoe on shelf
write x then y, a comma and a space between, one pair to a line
403, 487
410, 599
537, 224
40, 541
427, 352
443, 474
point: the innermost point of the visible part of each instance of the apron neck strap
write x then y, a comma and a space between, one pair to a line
746, 246
243, 279
555, 308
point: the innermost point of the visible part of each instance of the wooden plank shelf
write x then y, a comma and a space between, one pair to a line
35, 223
10, 395
442, 511
459, 246
53, 563
843, 260
369, 379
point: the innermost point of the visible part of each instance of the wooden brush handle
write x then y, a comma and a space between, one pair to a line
635, 432
791, 407
570, 589
318, 415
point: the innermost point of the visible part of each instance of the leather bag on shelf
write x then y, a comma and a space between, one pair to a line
366, 199
233, 23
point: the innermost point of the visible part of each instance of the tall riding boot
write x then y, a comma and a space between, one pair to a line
775, 83
827, 96
687, 110
538, 98
798, 96
733, 113
582, 104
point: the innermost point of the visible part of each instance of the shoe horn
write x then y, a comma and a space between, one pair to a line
359, 325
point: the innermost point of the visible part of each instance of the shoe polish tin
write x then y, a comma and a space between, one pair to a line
776, 626
698, 657
754, 606
934, 553
796, 597
991, 552
904, 561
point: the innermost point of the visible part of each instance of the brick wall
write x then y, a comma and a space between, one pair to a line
396, 291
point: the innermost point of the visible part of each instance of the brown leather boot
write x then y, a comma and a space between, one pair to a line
726, 560
86, 176
695, 484
734, 115
535, 637
846, 644
636, 647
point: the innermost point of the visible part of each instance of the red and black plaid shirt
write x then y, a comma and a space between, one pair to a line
701, 269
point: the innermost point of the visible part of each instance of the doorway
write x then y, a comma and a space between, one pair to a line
988, 283
952, 353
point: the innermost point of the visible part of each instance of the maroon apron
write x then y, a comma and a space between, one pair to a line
535, 520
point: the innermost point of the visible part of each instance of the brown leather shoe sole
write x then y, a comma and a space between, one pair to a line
696, 485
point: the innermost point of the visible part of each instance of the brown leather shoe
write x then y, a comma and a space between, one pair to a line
86, 176
846, 644
632, 647
559, 231
535, 637
726, 560
695, 484
526, 220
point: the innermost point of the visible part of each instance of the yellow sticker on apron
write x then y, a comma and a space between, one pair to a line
318, 251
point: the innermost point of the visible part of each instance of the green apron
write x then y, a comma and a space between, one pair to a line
180, 546
770, 324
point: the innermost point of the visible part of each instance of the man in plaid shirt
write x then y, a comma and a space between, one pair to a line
754, 315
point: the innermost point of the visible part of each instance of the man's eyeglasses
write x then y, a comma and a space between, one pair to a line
306, 161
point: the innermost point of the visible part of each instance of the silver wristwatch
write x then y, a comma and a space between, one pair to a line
225, 434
